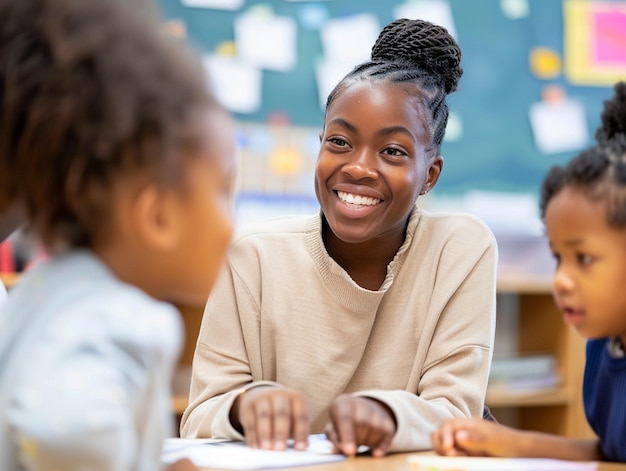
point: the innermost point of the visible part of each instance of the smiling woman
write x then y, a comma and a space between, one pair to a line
372, 320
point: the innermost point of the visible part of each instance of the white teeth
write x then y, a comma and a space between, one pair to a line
358, 200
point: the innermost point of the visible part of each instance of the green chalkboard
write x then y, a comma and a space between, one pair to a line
497, 150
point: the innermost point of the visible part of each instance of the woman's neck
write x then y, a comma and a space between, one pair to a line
365, 262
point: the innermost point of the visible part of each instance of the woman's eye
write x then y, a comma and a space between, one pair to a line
394, 152
337, 141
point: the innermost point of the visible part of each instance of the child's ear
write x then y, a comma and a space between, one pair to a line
155, 217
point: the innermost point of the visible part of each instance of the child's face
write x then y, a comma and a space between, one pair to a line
591, 264
205, 211
373, 161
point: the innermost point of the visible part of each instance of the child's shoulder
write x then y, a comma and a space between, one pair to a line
80, 301
80, 281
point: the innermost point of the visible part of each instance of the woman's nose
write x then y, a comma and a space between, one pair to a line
361, 166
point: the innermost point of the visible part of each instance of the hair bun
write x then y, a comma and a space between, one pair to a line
428, 46
613, 127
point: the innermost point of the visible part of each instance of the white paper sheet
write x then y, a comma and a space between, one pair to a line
441, 463
237, 86
559, 127
350, 39
328, 73
435, 11
214, 4
266, 41
225, 454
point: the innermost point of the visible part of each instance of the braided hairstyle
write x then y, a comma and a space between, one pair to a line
414, 52
90, 91
599, 171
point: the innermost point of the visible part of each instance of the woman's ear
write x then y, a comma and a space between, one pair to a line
155, 218
434, 170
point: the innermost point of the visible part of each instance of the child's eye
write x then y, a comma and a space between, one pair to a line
557, 258
584, 259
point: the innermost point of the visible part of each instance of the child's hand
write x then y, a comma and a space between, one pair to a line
474, 437
356, 421
183, 465
269, 416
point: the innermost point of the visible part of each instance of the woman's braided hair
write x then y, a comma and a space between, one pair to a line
89, 91
414, 52
599, 171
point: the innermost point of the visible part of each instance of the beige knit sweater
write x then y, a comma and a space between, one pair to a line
284, 312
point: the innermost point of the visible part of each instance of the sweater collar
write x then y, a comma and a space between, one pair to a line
343, 288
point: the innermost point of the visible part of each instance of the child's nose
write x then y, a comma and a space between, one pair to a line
562, 281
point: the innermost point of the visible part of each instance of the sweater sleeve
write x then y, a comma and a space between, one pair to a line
454, 379
221, 365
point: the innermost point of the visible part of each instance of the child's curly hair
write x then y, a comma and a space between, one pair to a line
601, 170
89, 90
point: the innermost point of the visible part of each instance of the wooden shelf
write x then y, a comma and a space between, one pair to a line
526, 304
525, 284
179, 404
546, 397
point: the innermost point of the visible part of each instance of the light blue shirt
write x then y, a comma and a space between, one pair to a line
85, 370
3, 294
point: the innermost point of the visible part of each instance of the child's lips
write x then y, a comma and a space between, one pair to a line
573, 316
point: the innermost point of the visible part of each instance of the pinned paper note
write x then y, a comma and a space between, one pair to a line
214, 4
435, 11
328, 73
226, 49
350, 39
266, 41
285, 161
236, 85
594, 42
312, 16
454, 128
559, 126
515, 9
176, 28
544, 63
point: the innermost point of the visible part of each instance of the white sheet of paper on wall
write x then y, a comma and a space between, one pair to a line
266, 41
560, 126
214, 4
350, 39
328, 73
435, 11
236, 85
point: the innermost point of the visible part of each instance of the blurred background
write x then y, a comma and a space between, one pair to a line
536, 74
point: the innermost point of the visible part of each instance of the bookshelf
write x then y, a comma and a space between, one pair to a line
527, 310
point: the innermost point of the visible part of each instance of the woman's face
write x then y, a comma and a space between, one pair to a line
374, 161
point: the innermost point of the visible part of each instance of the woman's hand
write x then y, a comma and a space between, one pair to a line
356, 421
268, 416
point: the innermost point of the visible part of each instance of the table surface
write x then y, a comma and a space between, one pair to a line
394, 462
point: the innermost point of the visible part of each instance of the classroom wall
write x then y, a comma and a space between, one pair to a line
496, 150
